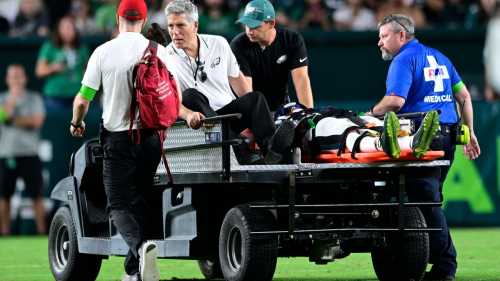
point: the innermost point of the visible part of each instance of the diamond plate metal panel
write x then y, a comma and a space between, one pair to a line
178, 136
200, 160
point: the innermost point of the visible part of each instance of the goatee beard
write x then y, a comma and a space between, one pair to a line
386, 55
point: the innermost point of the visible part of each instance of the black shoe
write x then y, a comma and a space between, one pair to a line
432, 276
244, 154
281, 141
247, 157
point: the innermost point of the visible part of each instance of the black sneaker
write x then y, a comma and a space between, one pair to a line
281, 141
244, 155
436, 277
247, 157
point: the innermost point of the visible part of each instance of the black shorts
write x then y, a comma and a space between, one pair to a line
28, 168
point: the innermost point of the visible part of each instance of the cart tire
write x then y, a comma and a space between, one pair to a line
66, 263
406, 257
244, 257
210, 269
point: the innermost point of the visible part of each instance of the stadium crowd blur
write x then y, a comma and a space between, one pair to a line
38, 17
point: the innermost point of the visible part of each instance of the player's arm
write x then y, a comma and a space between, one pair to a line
249, 81
243, 64
388, 103
80, 109
464, 104
302, 85
240, 84
30, 122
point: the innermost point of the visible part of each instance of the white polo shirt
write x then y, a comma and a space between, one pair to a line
111, 66
219, 63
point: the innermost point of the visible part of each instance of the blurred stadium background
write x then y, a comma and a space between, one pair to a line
345, 68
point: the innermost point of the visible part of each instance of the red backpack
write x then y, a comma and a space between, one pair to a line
155, 94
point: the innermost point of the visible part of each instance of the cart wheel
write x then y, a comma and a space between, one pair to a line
210, 269
406, 257
65, 261
244, 257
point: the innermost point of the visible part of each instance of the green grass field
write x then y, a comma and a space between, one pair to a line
25, 258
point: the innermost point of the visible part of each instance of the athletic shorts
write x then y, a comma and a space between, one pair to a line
28, 168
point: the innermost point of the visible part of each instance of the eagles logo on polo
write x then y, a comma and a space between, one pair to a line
215, 62
281, 59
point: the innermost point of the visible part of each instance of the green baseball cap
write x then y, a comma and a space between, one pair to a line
257, 12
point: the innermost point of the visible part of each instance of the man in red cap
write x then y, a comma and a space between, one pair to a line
129, 168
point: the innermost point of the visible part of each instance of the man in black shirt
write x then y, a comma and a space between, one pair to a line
267, 53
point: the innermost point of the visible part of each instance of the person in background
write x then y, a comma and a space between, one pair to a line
268, 53
492, 57
22, 113
414, 13
354, 16
31, 20
423, 79
214, 18
105, 17
61, 64
315, 15
9, 10
158, 16
84, 21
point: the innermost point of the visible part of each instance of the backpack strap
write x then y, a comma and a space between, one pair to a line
165, 158
152, 46
133, 106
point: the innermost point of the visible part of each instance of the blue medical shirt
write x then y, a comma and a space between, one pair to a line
424, 77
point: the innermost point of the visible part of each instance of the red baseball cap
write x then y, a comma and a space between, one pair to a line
137, 5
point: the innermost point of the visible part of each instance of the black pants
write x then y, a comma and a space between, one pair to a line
442, 253
129, 170
29, 168
252, 106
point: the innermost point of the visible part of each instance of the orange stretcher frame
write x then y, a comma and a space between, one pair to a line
369, 157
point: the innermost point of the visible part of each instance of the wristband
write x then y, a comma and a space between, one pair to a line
3, 116
77, 125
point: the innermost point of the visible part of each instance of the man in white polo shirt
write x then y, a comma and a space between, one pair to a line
129, 168
207, 69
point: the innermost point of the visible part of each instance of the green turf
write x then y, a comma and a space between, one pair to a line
25, 258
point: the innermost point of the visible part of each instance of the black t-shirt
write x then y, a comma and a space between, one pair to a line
269, 68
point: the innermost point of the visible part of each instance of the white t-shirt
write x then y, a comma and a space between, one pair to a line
364, 20
219, 63
492, 53
111, 66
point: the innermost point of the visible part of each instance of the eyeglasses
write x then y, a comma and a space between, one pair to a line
391, 17
201, 66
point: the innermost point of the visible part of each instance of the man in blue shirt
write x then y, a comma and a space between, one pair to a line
422, 79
